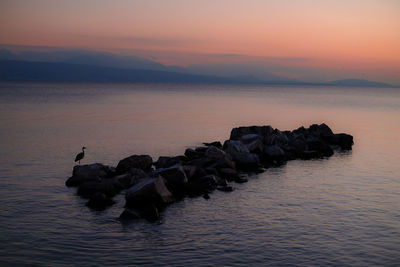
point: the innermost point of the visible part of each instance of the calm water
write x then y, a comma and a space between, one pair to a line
344, 210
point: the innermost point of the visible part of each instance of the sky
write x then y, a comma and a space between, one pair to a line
299, 39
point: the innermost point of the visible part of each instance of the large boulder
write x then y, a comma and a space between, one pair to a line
320, 130
255, 146
151, 191
165, 162
241, 155
143, 162
175, 178
213, 152
201, 185
237, 133
316, 144
108, 186
82, 173
232, 147
131, 178
345, 141
274, 153
191, 154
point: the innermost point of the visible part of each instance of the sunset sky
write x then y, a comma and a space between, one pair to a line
301, 39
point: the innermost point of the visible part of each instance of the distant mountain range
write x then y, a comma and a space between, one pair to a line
18, 70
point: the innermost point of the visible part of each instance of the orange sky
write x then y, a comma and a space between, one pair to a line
357, 35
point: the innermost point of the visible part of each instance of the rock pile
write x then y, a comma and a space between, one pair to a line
200, 170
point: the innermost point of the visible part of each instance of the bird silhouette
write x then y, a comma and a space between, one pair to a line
80, 155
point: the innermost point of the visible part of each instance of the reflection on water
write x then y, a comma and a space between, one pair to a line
341, 210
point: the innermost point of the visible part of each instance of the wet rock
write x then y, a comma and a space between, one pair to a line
99, 201
82, 173
143, 162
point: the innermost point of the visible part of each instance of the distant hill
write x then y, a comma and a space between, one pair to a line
359, 82
17, 70
11, 70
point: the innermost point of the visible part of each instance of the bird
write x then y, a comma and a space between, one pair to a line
80, 155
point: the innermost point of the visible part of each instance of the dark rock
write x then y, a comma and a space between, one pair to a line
241, 180
263, 131
129, 214
201, 149
274, 152
143, 162
220, 181
310, 154
345, 141
206, 196
232, 146
110, 187
320, 146
192, 154
150, 213
225, 188
99, 201
152, 191
215, 153
246, 161
165, 162
201, 185
175, 178
320, 130
240, 155
255, 146
217, 144
228, 174
83, 173
248, 138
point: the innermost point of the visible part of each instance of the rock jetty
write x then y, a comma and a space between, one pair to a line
150, 186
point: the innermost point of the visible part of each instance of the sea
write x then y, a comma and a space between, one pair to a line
337, 211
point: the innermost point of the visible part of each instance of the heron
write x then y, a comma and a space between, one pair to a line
80, 155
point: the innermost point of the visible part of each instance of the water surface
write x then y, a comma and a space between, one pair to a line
338, 211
